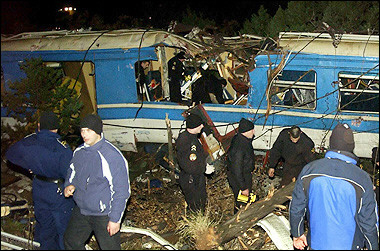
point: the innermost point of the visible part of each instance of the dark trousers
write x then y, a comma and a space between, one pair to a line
50, 227
194, 190
175, 90
290, 172
236, 188
80, 228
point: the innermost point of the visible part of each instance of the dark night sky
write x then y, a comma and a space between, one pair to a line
16, 15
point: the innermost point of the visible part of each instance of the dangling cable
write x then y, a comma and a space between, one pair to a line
84, 58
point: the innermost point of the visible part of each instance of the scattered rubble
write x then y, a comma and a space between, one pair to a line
156, 204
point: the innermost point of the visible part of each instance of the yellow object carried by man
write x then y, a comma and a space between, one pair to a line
245, 199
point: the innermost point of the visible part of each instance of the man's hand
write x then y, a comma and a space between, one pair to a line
271, 172
113, 227
209, 169
300, 242
245, 192
69, 190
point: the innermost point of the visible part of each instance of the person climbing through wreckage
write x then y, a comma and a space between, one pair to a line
98, 180
295, 148
47, 158
192, 161
208, 88
336, 198
241, 163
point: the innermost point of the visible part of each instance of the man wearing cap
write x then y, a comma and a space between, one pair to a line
241, 161
176, 73
47, 158
337, 199
99, 182
192, 161
294, 148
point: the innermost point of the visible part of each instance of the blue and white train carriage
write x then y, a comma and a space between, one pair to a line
312, 81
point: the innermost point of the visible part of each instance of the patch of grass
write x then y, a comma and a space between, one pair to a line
199, 228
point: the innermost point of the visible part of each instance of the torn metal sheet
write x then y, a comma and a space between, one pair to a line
278, 229
80, 40
154, 236
349, 44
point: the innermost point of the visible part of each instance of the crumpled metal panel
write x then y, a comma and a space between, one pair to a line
80, 40
278, 229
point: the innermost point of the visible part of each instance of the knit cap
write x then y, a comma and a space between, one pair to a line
245, 125
49, 121
193, 121
342, 138
93, 122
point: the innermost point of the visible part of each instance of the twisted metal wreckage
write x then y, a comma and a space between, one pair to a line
325, 75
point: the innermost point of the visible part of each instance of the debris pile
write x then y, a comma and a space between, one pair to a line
157, 204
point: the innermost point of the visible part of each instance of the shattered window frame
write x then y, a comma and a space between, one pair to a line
358, 93
296, 89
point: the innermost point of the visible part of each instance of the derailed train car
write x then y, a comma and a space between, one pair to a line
311, 80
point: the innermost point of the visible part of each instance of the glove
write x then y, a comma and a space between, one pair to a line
209, 169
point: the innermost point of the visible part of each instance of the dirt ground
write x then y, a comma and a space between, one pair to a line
156, 203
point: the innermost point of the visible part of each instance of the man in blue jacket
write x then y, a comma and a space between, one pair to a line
337, 198
48, 158
99, 182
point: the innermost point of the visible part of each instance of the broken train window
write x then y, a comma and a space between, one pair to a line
295, 89
358, 92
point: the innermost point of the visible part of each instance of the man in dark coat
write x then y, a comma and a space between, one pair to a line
176, 73
336, 198
241, 161
48, 158
192, 161
206, 85
294, 147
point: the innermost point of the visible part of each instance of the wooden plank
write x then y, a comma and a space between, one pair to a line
247, 218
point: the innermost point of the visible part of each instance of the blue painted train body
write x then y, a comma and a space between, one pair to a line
321, 80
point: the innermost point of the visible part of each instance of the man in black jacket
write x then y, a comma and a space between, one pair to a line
206, 85
241, 161
176, 72
295, 148
192, 161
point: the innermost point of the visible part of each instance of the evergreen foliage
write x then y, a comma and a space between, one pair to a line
307, 16
43, 88
192, 18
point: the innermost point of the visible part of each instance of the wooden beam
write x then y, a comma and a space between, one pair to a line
248, 217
